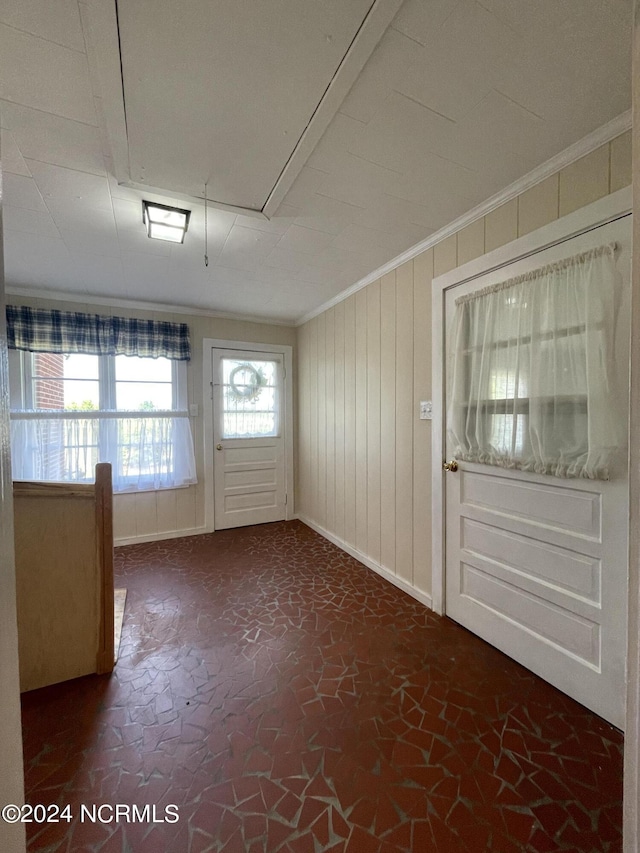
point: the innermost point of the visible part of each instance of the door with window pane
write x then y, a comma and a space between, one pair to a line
536, 564
248, 436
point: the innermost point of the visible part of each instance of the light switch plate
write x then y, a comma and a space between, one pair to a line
193, 410
426, 410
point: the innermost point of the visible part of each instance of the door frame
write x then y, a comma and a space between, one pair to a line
208, 345
585, 219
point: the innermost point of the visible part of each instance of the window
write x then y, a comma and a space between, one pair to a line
250, 398
531, 373
70, 411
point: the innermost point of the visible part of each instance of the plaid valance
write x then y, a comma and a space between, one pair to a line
42, 330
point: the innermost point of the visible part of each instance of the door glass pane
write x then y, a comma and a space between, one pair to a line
250, 398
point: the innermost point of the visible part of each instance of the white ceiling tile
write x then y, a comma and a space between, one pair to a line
504, 139
431, 203
29, 221
85, 228
104, 273
440, 81
555, 37
342, 163
475, 37
404, 134
419, 20
278, 224
40, 74
20, 191
12, 159
569, 101
35, 261
399, 213
54, 20
142, 272
287, 260
343, 132
397, 216
425, 145
354, 179
188, 268
230, 277
326, 214
364, 241
337, 258
81, 218
132, 234
305, 184
539, 21
54, 139
69, 186
249, 302
340, 13
94, 244
219, 225
383, 72
246, 248
304, 240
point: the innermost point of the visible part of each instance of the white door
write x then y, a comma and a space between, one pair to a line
537, 565
248, 436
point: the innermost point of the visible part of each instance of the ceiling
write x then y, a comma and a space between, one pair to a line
331, 135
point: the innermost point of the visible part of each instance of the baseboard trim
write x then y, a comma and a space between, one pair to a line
158, 537
379, 569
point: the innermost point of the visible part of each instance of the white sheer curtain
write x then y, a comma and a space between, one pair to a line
531, 372
146, 452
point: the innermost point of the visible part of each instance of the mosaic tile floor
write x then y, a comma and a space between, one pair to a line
286, 698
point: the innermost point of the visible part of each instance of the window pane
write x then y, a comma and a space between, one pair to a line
65, 382
51, 448
250, 398
249, 426
132, 368
143, 384
143, 396
242, 372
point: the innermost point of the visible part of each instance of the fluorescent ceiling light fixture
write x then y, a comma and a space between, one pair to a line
164, 222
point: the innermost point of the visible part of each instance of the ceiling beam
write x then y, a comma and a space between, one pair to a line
380, 15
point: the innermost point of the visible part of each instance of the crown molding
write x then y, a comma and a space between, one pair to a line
159, 307
569, 155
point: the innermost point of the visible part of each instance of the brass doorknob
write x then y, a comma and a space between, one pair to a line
218, 447
450, 466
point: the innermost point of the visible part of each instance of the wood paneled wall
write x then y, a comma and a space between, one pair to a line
363, 469
364, 365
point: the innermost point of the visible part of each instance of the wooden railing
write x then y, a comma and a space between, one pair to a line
64, 579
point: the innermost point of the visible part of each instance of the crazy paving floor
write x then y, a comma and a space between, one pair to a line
286, 698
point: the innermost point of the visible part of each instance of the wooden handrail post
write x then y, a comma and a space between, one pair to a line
104, 543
